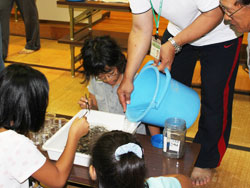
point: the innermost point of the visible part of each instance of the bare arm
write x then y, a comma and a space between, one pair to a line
55, 175
138, 45
202, 25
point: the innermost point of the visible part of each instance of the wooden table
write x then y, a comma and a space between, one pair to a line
76, 38
157, 163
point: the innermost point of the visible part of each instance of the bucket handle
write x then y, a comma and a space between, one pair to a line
168, 78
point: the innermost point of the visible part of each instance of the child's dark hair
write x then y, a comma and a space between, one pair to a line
23, 98
127, 172
100, 52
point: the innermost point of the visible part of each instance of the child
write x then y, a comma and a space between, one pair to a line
104, 65
118, 161
23, 103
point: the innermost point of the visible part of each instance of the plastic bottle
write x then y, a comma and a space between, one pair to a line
174, 134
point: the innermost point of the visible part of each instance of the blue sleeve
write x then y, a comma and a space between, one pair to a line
163, 182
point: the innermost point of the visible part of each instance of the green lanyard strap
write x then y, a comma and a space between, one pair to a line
157, 22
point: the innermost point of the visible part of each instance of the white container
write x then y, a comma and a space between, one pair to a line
55, 145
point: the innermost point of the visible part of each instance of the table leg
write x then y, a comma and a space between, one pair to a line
16, 14
90, 20
72, 59
71, 32
71, 22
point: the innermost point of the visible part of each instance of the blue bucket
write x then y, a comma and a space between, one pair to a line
157, 97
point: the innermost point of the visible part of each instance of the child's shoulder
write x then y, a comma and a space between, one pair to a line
9, 133
11, 137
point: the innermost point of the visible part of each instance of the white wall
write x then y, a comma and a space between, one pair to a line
49, 10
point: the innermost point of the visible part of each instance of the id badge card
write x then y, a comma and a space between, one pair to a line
155, 47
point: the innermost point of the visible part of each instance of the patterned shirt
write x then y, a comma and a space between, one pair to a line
19, 159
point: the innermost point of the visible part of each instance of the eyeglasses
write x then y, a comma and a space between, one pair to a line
106, 76
228, 13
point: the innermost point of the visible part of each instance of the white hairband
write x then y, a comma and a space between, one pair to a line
126, 148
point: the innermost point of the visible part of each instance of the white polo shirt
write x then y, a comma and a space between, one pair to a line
181, 13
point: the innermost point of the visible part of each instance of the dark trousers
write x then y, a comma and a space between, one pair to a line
219, 66
29, 14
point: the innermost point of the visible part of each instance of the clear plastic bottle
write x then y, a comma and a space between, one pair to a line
174, 135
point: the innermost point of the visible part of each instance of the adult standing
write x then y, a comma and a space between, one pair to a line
195, 30
29, 14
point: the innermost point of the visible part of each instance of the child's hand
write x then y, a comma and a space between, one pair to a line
84, 102
79, 127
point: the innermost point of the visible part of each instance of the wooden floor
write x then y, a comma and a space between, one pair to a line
53, 59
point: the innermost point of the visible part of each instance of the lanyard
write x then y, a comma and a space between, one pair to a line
157, 22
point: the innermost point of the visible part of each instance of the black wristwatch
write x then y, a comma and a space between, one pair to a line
176, 46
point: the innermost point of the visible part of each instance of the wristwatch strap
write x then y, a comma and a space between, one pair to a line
176, 46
